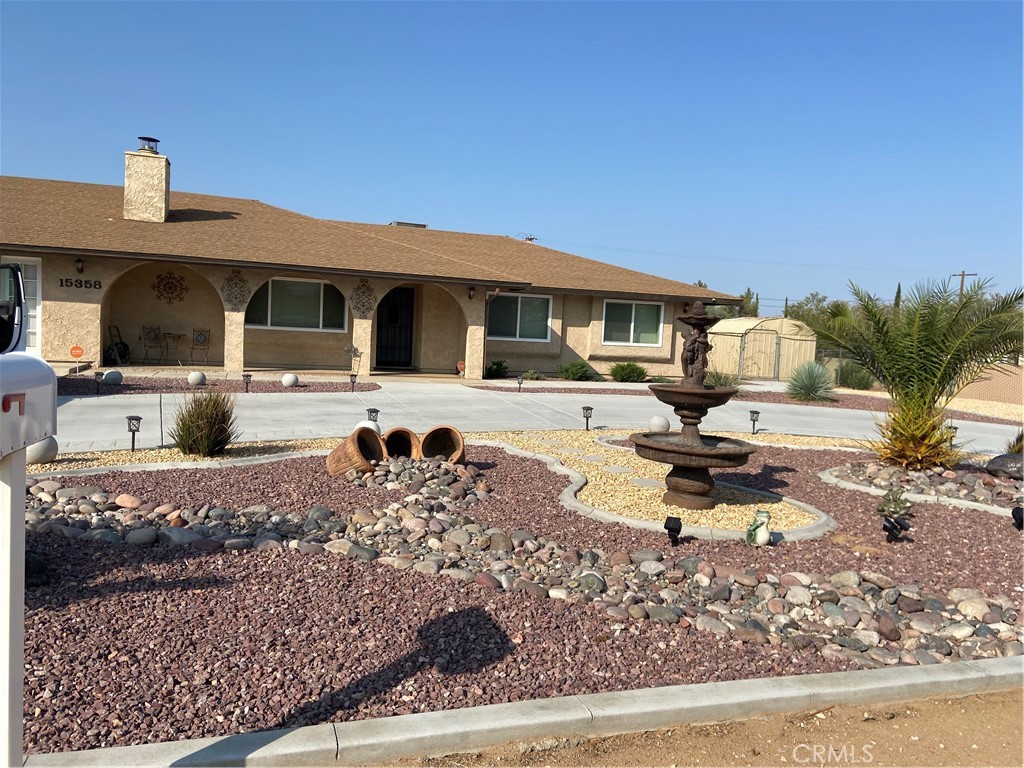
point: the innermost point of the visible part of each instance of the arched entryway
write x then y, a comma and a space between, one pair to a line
419, 327
176, 300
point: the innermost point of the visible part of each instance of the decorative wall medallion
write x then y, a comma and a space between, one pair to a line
235, 291
363, 299
170, 288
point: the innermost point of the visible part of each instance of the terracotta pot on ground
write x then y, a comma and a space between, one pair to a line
356, 452
401, 441
444, 441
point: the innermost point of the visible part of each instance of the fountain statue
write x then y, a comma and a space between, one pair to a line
690, 453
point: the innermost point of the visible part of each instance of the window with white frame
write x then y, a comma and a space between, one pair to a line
633, 323
521, 317
297, 304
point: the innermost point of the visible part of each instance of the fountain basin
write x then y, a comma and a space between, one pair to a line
670, 448
690, 483
692, 396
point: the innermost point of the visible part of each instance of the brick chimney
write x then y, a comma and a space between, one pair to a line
147, 183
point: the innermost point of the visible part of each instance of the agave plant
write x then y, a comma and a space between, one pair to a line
924, 349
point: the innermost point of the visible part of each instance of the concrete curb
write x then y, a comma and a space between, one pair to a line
600, 714
568, 499
827, 476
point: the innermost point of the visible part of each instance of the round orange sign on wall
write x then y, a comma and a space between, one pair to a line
77, 352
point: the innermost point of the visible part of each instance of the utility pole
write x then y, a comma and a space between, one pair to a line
962, 275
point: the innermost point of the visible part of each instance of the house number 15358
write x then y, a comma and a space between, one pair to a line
69, 282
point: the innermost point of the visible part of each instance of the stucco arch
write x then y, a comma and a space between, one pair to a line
171, 295
269, 347
439, 325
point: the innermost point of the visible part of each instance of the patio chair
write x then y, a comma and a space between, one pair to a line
200, 343
153, 339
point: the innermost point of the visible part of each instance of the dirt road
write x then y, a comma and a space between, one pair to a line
974, 731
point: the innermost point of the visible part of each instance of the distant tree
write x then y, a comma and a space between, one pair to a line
812, 309
749, 304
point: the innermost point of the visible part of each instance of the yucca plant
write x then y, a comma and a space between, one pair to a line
204, 424
629, 372
721, 379
810, 382
1017, 444
924, 350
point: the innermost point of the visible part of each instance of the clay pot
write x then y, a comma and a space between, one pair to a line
400, 441
356, 452
444, 441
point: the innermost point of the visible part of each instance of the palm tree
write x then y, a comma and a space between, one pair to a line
924, 349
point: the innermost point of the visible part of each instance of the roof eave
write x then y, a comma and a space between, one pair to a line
483, 283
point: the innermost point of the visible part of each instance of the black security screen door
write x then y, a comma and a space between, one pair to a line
394, 329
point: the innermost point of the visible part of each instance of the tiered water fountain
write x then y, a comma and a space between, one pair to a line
691, 454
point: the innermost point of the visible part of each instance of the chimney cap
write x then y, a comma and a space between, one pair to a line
148, 144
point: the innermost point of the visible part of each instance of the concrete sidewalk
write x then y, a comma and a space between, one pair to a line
98, 422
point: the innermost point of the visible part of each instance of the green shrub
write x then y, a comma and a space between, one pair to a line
204, 424
661, 380
853, 376
630, 372
533, 376
721, 379
577, 370
1017, 444
810, 382
496, 369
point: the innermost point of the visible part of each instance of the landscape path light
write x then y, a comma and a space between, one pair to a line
99, 380
134, 424
588, 411
519, 381
674, 526
753, 421
352, 381
371, 413
246, 378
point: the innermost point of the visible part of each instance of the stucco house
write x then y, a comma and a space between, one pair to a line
265, 287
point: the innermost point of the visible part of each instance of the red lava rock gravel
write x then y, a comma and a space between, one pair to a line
128, 645
72, 386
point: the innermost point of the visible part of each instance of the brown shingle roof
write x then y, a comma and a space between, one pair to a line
73, 216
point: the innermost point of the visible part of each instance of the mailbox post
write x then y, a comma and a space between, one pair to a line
28, 391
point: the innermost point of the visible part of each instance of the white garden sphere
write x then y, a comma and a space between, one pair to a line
289, 380
657, 424
197, 378
113, 377
42, 452
367, 423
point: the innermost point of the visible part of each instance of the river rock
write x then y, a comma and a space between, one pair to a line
1006, 465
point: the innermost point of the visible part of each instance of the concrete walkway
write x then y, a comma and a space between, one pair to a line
98, 422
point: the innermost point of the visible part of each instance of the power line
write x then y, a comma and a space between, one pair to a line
643, 252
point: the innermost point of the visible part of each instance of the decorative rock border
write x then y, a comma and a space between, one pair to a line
828, 476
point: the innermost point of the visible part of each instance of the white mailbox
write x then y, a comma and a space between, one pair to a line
28, 412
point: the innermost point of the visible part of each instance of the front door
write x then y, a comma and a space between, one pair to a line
394, 329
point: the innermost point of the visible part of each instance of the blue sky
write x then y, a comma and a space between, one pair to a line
784, 146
